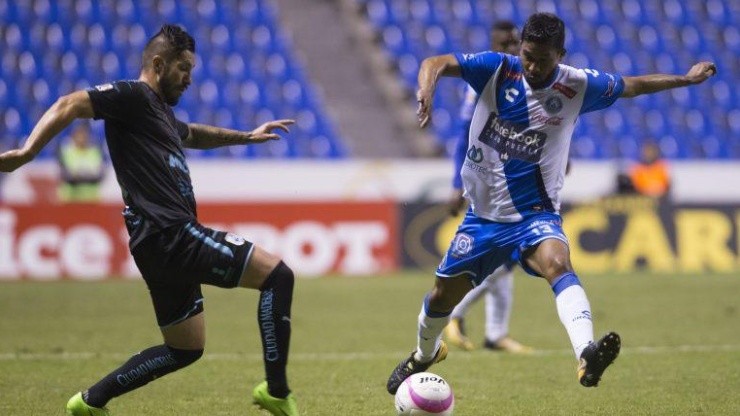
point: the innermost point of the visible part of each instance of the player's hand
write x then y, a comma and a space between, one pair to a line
424, 112
264, 132
701, 72
456, 202
13, 159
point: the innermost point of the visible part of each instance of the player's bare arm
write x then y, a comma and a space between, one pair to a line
208, 137
60, 115
647, 84
429, 73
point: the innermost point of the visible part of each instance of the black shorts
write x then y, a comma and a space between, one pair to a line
176, 261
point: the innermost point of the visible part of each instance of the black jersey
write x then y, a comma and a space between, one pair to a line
145, 143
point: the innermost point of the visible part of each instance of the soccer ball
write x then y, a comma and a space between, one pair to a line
425, 394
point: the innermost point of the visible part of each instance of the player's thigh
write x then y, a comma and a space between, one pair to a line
164, 261
260, 264
226, 260
549, 259
189, 334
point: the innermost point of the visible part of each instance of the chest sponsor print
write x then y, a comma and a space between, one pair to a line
512, 140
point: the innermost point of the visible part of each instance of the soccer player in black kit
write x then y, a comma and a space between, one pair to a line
174, 253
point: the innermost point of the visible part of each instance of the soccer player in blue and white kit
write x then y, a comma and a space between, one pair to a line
497, 289
516, 160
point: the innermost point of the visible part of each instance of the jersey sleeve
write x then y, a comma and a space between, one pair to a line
182, 129
602, 90
115, 101
478, 68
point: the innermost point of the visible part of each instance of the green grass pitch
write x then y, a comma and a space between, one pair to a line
680, 356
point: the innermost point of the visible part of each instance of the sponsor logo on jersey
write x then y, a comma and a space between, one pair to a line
235, 239
565, 90
104, 87
544, 119
512, 75
462, 245
178, 162
475, 154
553, 104
513, 141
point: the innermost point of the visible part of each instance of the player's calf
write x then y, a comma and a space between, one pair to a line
273, 316
138, 371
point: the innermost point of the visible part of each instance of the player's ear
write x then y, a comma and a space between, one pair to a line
158, 64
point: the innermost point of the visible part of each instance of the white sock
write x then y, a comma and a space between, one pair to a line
430, 332
574, 311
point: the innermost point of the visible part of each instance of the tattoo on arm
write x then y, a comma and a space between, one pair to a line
208, 137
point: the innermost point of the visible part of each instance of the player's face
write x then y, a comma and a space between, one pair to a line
506, 41
176, 77
539, 61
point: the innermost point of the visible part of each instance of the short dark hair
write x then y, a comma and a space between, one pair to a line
504, 26
169, 42
544, 29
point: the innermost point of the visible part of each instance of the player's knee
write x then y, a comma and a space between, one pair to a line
185, 357
281, 275
557, 266
444, 306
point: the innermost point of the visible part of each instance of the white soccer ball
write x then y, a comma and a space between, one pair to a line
425, 394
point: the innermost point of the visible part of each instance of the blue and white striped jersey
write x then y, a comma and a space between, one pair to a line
520, 137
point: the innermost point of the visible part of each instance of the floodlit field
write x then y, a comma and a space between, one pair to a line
681, 348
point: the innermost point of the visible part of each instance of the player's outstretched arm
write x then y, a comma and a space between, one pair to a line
60, 115
429, 72
648, 84
207, 137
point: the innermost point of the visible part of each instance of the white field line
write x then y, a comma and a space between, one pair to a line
359, 356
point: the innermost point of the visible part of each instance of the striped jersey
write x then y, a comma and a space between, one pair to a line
519, 137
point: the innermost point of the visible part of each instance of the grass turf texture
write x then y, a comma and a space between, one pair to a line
681, 348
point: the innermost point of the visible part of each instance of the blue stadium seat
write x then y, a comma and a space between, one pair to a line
626, 37
377, 12
3, 98
14, 39
669, 146
49, 48
5, 12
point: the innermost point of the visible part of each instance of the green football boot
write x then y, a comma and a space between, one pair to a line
77, 407
274, 405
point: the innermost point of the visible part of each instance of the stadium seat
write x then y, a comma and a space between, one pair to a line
50, 48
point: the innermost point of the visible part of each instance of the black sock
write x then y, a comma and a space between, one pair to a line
139, 370
273, 316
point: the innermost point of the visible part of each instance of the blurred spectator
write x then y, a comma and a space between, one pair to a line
82, 167
650, 176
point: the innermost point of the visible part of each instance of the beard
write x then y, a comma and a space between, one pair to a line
170, 92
